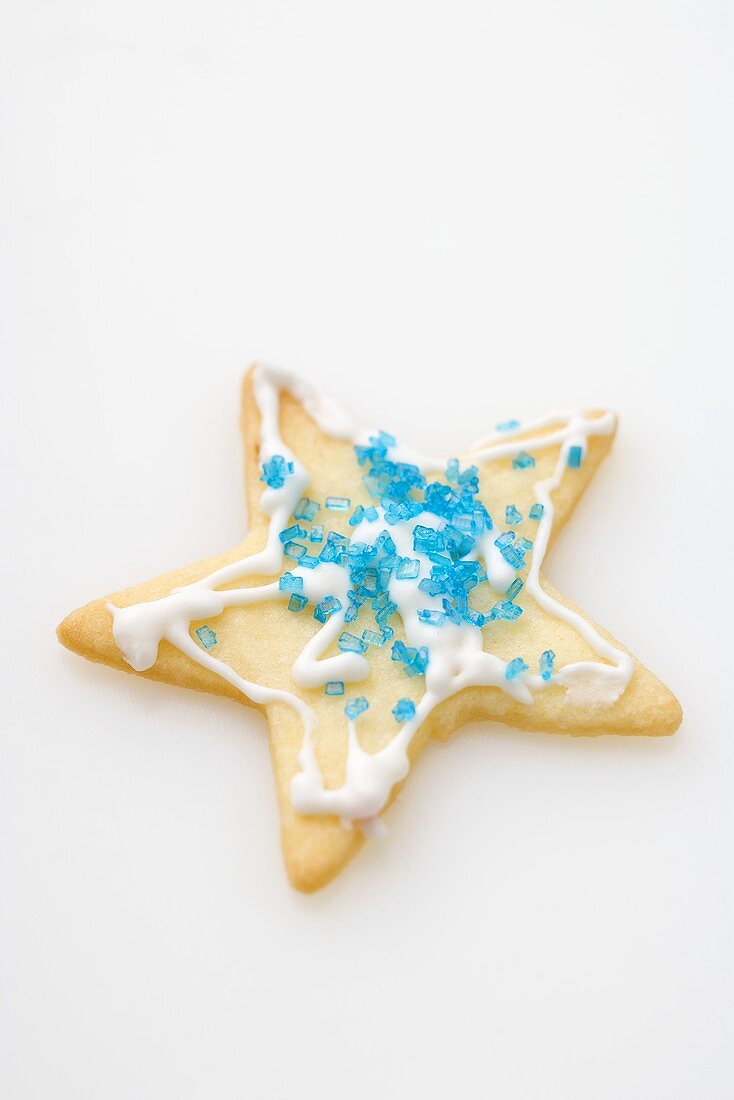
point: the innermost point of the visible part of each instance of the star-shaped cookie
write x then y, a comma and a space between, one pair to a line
382, 598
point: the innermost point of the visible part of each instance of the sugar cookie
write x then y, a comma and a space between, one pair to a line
382, 597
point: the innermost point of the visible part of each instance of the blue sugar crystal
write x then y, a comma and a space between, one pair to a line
316, 533
419, 663
357, 516
431, 586
326, 607
452, 470
351, 613
338, 504
206, 636
507, 426
469, 479
294, 550
370, 513
306, 509
512, 556
475, 618
308, 561
334, 687
522, 461
335, 548
373, 638
451, 610
546, 664
297, 602
384, 543
408, 569
374, 484
364, 454
512, 515
505, 540
350, 643
574, 456
385, 613
433, 618
506, 609
355, 707
457, 542
427, 540
514, 589
536, 511
523, 545
294, 532
415, 660
289, 583
404, 710
515, 668
276, 471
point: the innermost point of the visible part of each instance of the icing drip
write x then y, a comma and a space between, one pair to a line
457, 656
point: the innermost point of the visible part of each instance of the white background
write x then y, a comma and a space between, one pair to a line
444, 216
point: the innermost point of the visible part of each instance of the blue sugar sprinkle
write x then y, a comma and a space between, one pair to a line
451, 610
536, 511
524, 545
404, 710
513, 557
415, 660
276, 471
296, 602
522, 461
514, 589
308, 561
350, 643
574, 456
294, 532
427, 540
206, 636
373, 638
469, 478
515, 668
316, 533
475, 618
506, 609
512, 515
385, 613
505, 540
338, 504
294, 550
306, 509
408, 569
419, 663
334, 687
325, 608
370, 513
546, 664
289, 583
355, 707
452, 470
357, 516
507, 426
433, 618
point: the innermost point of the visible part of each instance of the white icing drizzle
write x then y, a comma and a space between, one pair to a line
457, 655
